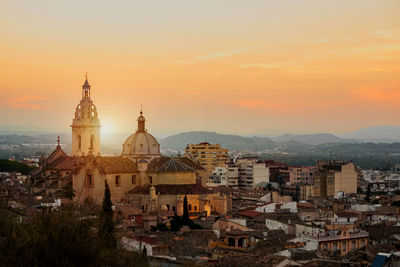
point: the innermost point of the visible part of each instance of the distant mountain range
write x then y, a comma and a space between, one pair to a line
282, 142
311, 139
377, 134
285, 142
236, 142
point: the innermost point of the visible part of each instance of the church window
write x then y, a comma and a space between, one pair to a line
173, 208
195, 208
79, 141
168, 207
151, 179
91, 141
117, 180
89, 180
190, 206
142, 207
133, 179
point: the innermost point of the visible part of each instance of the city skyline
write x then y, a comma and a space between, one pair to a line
307, 70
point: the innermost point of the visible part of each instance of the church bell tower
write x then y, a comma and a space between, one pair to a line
85, 126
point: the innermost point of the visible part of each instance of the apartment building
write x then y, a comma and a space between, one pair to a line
301, 174
251, 172
335, 177
278, 171
208, 156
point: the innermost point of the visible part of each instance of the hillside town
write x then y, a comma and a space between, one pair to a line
260, 213
209, 205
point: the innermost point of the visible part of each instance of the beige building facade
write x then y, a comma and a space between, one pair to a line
85, 126
335, 177
140, 176
207, 155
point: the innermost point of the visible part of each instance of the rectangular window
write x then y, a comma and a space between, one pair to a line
133, 179
190, 206
89, 180
151, 179
117, 180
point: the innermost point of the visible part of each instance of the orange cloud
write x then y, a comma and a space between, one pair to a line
26, 102
379, 96
287, 106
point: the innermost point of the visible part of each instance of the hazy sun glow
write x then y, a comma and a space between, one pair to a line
226, 66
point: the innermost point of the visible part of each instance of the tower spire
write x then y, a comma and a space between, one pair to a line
141, 121
58, 141
86, 88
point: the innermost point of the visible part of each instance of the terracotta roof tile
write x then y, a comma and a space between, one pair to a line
172, 189
250, 213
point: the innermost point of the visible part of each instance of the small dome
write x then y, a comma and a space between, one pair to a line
141, 143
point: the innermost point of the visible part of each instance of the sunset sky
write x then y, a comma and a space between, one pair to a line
239, 67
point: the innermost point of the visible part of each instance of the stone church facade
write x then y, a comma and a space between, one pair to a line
140, 176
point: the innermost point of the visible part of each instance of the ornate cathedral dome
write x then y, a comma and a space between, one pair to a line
141, 143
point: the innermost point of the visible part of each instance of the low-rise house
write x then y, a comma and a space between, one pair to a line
129, 216
343, 241
282, 221
383, 234
227, 225
138, 244
267, 208
310, 229
237, 238
344, 217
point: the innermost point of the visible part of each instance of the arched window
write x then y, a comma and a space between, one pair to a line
79, 141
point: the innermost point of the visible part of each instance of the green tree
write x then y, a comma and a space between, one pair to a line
106, 227
185, 218
62, 238
368, 194
176, 223
68, 191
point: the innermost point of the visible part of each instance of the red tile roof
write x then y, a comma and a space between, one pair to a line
250, 213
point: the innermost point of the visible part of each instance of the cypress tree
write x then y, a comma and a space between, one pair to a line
185, 218
368, 194
106, 228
